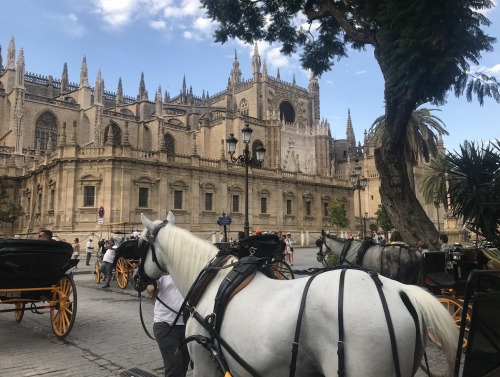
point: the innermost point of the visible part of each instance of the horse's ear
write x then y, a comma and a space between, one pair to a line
171, 218
147, 223
323, 232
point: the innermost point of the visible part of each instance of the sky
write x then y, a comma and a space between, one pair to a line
171, 39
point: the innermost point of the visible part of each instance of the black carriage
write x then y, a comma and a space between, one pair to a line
35, 275
124, 264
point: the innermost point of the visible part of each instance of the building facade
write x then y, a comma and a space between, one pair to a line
72, 148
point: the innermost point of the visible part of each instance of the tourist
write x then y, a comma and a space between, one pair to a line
89, 248
45, 234
289, 241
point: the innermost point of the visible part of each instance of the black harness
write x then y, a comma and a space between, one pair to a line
211, 323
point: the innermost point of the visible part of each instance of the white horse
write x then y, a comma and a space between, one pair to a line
396, 261
260, 321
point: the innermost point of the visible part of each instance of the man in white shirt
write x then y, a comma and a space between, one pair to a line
89, 248
107, 262
167, 292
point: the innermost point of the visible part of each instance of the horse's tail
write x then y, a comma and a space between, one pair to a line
434, 317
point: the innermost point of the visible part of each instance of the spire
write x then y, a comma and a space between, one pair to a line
64, 79
142, 89
84, 75
119, 93
167, 96
256, 61
184, 92
235, 71
294, 82
99, 89
159, 104
20, 70
264, 69
11, 54
278, 77
351, 138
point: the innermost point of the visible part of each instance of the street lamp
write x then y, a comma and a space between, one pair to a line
247, 160
358, 183
364, 224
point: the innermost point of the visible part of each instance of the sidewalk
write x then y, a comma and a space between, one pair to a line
81, 268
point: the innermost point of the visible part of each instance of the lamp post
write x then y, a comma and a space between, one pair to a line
364, 224
247, 160
358, 183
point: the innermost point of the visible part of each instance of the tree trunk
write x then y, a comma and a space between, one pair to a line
396, 192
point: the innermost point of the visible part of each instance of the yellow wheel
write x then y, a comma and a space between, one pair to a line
19, 311
97, 273
63, 306
121, 271
282, 270
455, 308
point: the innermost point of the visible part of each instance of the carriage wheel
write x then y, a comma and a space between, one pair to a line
19, 313
121, 271
63, 307
97, 273
282, 270
455, 308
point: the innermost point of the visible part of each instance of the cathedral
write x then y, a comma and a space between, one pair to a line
85, 160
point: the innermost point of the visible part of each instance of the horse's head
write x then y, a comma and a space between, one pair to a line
320, 243
147, 253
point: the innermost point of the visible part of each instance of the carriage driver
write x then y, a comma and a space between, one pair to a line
108, 259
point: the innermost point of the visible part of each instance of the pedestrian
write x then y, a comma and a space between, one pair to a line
89, 248
107, 263
396, 237
241, 235
45, 234
445, 247
422, 247
289, 241
168, 335
258, 231
76, 250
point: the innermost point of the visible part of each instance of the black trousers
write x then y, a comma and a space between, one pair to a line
107, 268
175, 365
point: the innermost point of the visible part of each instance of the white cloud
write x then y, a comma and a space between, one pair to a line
276, 59
116, 12
158, 24
362, 72
204, 24
188, 35
70, 24
489, 71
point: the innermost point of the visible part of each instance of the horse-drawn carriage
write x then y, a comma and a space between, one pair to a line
34, 276
125, 262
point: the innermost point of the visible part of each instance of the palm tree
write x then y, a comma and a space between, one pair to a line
474, 187
421, 140
432, 182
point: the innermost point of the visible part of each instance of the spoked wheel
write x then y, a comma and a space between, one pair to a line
455, 308
282, 270
63, 307
121, 271
97, 273
20, 311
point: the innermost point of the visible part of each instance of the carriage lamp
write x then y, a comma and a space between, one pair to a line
246, 159
359, 183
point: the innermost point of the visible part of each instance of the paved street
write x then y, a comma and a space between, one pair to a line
106, 340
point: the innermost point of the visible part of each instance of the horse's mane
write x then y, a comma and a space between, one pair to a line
336, 238
188, 253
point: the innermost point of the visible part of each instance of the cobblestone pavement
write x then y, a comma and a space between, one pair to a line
107, 338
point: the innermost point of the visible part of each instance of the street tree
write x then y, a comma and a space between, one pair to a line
9, 209
432, 182
338, 215
423, 48
383, 220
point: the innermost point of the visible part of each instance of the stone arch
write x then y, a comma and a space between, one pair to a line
169, 144
84, 129
45, 130
287, 112
113, 134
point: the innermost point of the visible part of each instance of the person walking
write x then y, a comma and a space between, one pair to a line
76, 250
89, 248
289, 247
168, 335
445, 247
107, 263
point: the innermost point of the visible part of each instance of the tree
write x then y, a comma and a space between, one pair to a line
420, 140
383, 220
9, 210
423, 49
432, 183
338, 214
474, 187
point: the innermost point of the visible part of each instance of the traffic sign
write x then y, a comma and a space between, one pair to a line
100, 221
224, 220
101, 212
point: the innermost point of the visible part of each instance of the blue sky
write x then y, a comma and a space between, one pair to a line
167, 39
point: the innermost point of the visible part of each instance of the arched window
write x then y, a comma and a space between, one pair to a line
45, 129
170, 144
113, 133
287, 112
244, 107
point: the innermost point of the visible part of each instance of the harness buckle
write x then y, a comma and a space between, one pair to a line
210, 319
